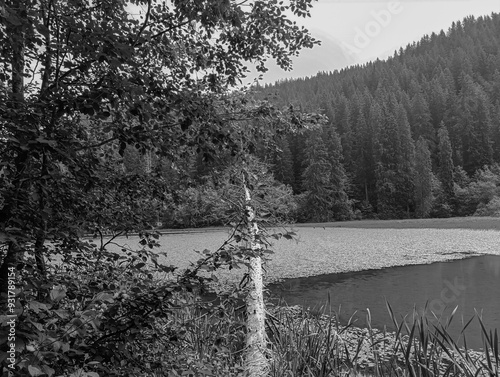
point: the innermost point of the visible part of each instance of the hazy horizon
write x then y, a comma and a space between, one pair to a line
358, 31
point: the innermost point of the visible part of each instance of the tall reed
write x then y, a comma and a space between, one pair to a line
313, 343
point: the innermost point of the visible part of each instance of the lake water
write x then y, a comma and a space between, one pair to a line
471, 284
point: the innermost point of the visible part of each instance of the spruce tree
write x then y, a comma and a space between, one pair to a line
446, 168
297, 144
324, 178
282, 164
316, 179
395, 159
405, 161
388, 148
339, 182
421, 118
423, 179
496, 131
475, 126
437, 102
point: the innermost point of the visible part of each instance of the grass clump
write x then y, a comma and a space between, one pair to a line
307, 343
210, 338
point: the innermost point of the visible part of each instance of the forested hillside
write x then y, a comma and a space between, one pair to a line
417, 135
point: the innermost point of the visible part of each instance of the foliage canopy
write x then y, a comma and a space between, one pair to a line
79, 83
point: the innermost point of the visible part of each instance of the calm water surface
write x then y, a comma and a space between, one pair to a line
471, 284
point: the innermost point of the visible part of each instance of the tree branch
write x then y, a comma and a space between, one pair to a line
98, 144
170, 29
48, 51
143, 27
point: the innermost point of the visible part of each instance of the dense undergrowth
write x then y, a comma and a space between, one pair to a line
312, 344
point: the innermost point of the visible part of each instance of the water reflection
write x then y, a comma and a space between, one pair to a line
468, 283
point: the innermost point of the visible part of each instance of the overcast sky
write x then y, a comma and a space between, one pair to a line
357, 31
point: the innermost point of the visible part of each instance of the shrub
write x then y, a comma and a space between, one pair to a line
492, 208
102, 314
219, 200
478, 192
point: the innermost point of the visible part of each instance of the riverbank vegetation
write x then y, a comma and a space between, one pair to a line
311, 343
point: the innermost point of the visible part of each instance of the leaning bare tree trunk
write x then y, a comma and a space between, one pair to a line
256, 363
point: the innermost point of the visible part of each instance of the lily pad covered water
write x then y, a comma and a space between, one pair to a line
320, 251
434, 290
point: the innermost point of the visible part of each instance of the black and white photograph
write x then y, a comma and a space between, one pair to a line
249, 188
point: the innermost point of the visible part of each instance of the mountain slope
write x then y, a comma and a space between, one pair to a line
448, 81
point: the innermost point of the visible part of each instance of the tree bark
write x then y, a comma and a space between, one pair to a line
256, 363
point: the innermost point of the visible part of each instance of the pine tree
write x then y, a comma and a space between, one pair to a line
423, 179
316, 179
297, 144
339, 183
496, 131
437, 102
342, 123
388, 148
324, 178
446, 168
282, 164
395, 159
405, 160
421, 118
475, 126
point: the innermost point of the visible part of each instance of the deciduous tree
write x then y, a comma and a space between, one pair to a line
81, 81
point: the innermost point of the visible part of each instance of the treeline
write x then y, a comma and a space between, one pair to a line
417, 135
197, 193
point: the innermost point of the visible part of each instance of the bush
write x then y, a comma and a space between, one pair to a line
102, 314
478, 192
219, 201
492, 208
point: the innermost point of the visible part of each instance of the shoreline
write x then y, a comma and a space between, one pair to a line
471, 222
368, 339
